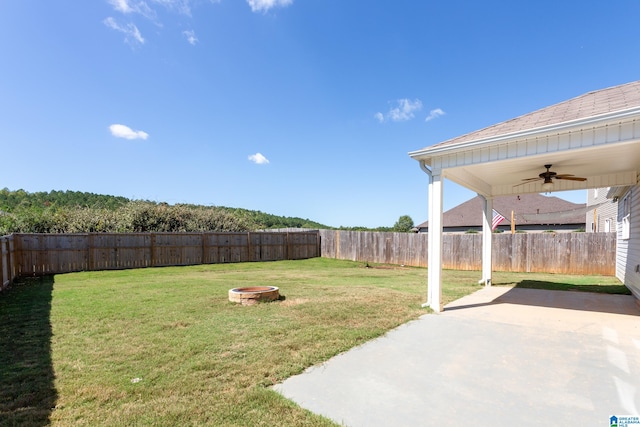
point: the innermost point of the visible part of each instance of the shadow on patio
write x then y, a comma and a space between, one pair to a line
552, 295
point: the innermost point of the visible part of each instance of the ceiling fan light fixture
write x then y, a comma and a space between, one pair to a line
548, 178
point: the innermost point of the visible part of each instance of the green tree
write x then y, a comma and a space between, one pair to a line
404, 224
80, 212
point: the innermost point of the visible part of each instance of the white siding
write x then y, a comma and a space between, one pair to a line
603, 213
628, 250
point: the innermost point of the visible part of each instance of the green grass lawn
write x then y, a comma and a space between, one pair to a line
165, 347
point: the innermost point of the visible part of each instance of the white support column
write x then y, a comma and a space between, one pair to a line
435, 242
487, 233
429, 242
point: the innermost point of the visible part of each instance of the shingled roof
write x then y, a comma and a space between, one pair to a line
469, 213
592, 104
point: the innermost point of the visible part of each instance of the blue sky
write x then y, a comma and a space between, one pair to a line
301, 108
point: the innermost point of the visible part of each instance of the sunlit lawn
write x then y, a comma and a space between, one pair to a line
165, 347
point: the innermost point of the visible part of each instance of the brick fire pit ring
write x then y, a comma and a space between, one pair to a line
254, 294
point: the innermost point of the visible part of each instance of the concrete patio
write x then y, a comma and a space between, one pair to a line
500, 356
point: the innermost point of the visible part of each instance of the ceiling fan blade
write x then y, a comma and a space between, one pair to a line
571, 178
527, 181
563, 175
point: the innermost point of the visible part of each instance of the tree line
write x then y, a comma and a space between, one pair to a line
404, 224
82, 212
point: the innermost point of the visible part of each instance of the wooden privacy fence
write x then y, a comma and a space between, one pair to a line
387, 248
567, 253
39, 254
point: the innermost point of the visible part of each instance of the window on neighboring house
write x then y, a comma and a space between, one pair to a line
607, 225
595, 193
626, 216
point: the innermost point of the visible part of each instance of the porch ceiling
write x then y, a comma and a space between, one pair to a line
604, 166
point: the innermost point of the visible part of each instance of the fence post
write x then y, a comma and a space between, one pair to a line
13, 268
286, 246
4, 262
203, 236
152, 242
90, 256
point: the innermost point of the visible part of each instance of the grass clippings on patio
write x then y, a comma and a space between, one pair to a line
165, 347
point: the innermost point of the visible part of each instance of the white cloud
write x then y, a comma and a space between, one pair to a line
148, 9
265, 5
182, 6
130, 31
122, 131
191, 37
121, 6
404, 111
258, 159
434, 114
128, 6
143, 8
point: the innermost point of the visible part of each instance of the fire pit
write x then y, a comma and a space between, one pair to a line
254, 294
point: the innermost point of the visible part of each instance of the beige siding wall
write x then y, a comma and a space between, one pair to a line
598, 218
628, 250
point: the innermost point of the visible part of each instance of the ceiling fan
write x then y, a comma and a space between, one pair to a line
547, 176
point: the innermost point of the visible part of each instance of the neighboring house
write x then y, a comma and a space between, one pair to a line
628, 234
527, 210
601, 217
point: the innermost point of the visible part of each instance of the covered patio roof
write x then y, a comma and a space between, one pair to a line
595, 136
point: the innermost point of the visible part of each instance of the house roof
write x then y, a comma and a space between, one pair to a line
591, 104
469, 213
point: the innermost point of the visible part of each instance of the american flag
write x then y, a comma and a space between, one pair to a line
497, 219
